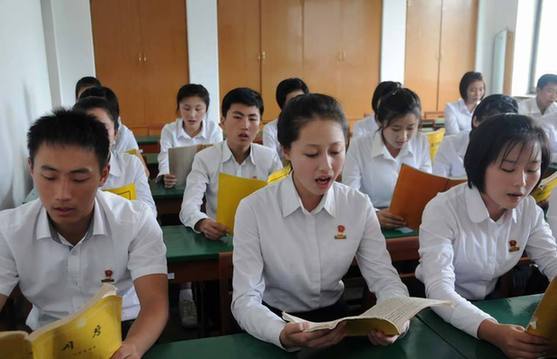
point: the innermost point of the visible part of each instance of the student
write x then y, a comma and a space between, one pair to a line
84, 83
544, 102
125, 140
294, 240
458, 114
477, 231
368, 125
449, 161
125, 169
192, 127
373, 161
59, 247
286, 90
242, 109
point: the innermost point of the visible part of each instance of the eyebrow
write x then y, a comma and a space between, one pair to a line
76, 171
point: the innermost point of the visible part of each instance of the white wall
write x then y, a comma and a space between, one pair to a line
24, 93
493, 16
393, 40
203, 56
69, 44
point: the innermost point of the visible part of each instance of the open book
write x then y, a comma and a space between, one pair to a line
233, 189
544, 319
388, 316
92, 332
544, 189
414, 189
180, 160
128, 191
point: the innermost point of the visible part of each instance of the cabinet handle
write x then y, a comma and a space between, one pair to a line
144, 58
139, 57
263, 55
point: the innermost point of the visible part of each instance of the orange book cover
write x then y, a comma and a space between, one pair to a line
414, 189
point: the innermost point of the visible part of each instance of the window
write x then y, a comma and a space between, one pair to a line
544, 51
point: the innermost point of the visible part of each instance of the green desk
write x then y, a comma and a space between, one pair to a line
149, 144
420, 342
191, 257
167, 200
152, 163
517, 310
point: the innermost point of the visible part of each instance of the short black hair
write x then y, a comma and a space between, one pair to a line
88, 103
191, 90
287, 86
243, 95
306, 108
381, 90
87, 81
546, 79
493, 105
106, 93
466, 80
396, 104
69, 128
496, 137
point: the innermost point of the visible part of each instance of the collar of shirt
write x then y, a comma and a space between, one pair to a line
180, 132
477, 211
115, 168
228, 156
290, 200
42, 231
378, 147
463, 108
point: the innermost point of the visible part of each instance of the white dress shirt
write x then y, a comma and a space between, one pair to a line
365, 126
449, 161
174, 135
289, 257
552, 212
370, 168
126, 169
204, 177
548, 123
529, 107
125, 140
270, 137
464, 252
58, 278
457, 117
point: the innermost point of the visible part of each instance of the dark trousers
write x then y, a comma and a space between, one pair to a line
325, 314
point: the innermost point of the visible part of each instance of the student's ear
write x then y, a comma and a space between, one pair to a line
30, 165
104, 174
221, 123
475, 122
286, 153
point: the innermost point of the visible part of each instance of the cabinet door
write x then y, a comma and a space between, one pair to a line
118, 54
239, 44
360, 51
165, 60
458, 47
282, 48
421, 70
322, 51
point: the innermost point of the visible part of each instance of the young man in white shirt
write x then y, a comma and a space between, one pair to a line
60, 247
449, 161
241, 112
544, 102
286, 90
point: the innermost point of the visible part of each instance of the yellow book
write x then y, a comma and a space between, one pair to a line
435, 138
233, 189
388, 316
544, 319
92, 332
127, 191
414, 189
544, 189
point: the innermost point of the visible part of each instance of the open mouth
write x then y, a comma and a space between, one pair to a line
243, 136
323, 181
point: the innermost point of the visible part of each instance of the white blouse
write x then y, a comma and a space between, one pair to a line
365, 126
449, 161
457, 117
294, 260
464, 252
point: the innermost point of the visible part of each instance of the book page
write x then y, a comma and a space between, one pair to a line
15, 345
389, 316
128, 191
180, 160
544, 319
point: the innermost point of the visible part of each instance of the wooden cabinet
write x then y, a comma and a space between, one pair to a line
333, 45
440, 48
141, 53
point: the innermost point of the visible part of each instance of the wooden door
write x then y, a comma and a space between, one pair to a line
165, 60
239, 44
421, 70
118, 54
458, 47
281, 48
322, 50
360, 27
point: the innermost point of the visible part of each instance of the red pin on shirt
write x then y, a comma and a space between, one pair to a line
108, 276
340, 232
